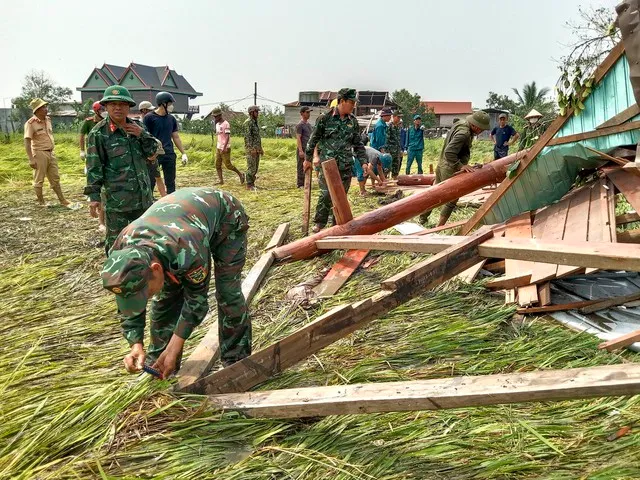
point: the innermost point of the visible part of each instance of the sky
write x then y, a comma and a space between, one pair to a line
457, 50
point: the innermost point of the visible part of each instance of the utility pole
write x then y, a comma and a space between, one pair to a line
255, 93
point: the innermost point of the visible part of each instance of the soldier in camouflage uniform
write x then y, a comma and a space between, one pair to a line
253, 146
393, 143
117, 153
337, 136
166, 253
455, 156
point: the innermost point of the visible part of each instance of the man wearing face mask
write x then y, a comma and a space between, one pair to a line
117, 153
533, 130
99, 113
164, 126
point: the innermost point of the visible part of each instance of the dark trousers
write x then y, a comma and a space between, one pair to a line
168, 164
300, 171
500, 152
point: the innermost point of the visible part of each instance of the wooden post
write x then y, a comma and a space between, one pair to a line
402, 210
341, 208
306, 204
416, 179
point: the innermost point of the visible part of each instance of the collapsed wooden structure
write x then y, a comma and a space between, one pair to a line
571, 233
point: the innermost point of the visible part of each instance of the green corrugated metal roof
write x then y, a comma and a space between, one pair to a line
553, 172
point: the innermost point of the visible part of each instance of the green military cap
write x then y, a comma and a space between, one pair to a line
416, 117
347, 94
126, 273
117, 93
479, 119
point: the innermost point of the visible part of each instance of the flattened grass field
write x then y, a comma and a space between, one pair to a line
69, 410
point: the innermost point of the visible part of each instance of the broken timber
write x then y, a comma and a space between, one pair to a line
402, 210
206, 353
341, 321
584, 254
339, 199
437, 394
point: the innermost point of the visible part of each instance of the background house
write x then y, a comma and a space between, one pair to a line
143, 82
318, 101
493, 118
445, 112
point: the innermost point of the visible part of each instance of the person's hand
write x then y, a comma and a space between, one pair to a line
153, 157
166, 363
466, 169
83, 154
301, 153
185, 159
32, 163
306, 165
94, 209
316, 162
134, 361
260, 151
133, 129
507, 144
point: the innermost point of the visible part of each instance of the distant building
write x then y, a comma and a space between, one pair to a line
445, 112
143, 82
493, 113
372, 102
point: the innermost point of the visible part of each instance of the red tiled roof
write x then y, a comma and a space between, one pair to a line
449, 108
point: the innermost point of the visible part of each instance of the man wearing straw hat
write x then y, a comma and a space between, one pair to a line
117, 153
455, 156
166, 254
39, 144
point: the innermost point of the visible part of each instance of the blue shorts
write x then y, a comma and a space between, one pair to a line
357, 171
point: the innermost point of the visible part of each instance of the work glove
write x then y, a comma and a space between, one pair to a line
83, 154
184, 159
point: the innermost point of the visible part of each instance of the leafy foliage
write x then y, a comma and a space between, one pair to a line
410, 104
502, 102
528, 98
37, 84
596, 34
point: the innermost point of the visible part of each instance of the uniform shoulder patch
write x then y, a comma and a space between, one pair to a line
197, 275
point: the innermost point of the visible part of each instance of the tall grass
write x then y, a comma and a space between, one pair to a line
68, 410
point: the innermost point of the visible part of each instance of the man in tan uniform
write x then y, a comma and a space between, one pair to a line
39, 144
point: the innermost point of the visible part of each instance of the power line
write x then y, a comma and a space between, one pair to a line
236, 100
270, 100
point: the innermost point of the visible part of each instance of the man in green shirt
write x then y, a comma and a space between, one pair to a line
99, 113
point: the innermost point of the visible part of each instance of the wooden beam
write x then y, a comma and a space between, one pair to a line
332, 326
340, 273
585, 254
470, 274
544, 294
206, 353
580, 137
621, 341
622, 117
443, 265
627, 218
556, 308
629, 236
610, 302
416, 179
495, 267
542, 142
509, 282
577, 225
628, 185
441, 228
339, 199
520, 227
618, 161
437, 394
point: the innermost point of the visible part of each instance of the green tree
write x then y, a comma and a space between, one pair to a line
37, 84
410, 104
533, 97
501, 102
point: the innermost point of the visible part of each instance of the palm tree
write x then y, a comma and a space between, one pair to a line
531, 98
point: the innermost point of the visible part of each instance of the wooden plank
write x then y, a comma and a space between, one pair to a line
519, 279
577, 225
586, 254
628, 185
549, 224
437, 394
470, 274
542, 142
611, 210
580, 137
520, 227
621, 341
208, 350
622, 117
306, 202
630, 236
340, 273
544, 294
495, 267
336, 324
339, 199
442, 265
618, 161
441, 228
610, 302
627, 218
557, 308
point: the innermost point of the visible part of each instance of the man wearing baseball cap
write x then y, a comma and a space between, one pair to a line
166, 254
39, 144
503, 136
303, 134
117, 153
379, 138
415, 144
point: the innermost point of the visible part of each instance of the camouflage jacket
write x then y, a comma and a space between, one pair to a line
531, 134
181, 229
456, 150
118, 162
252, 136
393, 138
337, 138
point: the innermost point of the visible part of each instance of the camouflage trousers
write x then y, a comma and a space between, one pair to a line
396, 162
443, 171
234, 324
253, 162
324, 205
115, 222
